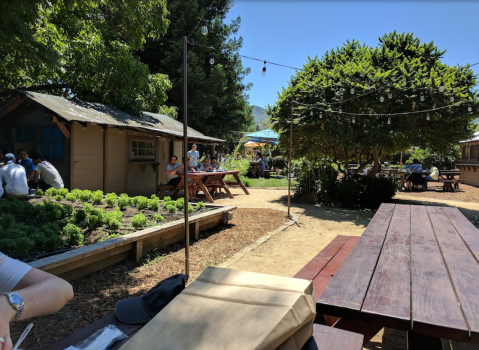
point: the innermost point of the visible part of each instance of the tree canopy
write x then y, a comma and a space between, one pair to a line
400, 75
217, 99
83, 48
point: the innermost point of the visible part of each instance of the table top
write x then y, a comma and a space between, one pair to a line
450, 172
414, 267
211, 173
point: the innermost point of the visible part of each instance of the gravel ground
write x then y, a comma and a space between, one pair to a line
464, 194
97, 294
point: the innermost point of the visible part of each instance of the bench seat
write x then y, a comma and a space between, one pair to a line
163, 188
325, 337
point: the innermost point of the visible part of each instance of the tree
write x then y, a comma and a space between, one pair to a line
403, 73
84, 48
217, 100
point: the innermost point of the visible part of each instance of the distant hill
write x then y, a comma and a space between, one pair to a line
259, 114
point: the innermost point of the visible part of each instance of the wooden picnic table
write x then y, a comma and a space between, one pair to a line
203, 180
450, 182
254, 167
415, 268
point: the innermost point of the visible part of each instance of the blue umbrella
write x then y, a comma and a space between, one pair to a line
266, 135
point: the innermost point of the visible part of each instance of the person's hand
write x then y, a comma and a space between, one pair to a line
7, 314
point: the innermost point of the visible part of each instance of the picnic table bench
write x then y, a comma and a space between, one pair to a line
415, 268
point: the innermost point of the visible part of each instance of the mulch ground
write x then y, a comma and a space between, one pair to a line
97, 294
465, 193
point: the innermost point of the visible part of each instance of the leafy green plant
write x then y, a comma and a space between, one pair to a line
88, 207
72, 197
114, 224
76, 192
92, 221
51, 192
166, 204
97, 198
158, 218
139, 220
8, 245
123, 201
80, 215
180, 204
113, 215
111, 199
54, 242
153, 204
7, 221
73, 234
100, 214
67, 210
63, 191
200, 205
85, 195
58, 198
39, 192
24, 245
166, 199
171, 208
55, 214
190, 208
141, 202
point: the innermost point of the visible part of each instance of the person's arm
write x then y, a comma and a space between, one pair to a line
36, 176
42, 294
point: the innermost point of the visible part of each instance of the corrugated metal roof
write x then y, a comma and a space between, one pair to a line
474, 138
96, 113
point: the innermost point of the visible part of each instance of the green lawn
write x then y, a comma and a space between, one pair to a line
272, 182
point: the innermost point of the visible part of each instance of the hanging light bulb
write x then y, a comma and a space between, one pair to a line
83, 127
311, 113
230, 3
381, 98
352, 91
389, 120
469, 109
340, 110
264, 70
441, 87
390, 95
428, 117
212, 58
204, 28
354, 119
422, 97
452, 98
320, 115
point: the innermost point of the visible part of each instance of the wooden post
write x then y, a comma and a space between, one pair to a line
400, 162
290, 155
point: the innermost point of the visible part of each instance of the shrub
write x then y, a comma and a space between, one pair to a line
63, 192
88, 207
114, 224
139, 220
180, 204
73, 234
166, 199
113, 215
153, 204
111, 199
171, 208
97, 197
80, 215
24, 245
158, 218
190, 208
153, 196
134, 200
85, 195
279, 162
123, 201
39, 239
54, 242
58, 198
8, 245
166, 204
55, 214
71, 197
141, 202
92, 221
76, 192
51, 192
50, 227
67, 210
100, 213
28, 210
200, 205
7, 221
38, 193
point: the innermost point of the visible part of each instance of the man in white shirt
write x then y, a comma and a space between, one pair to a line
193, 157
13, 178
46, 175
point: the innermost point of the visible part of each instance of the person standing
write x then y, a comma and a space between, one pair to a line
267, 154
26, 162
172, 169
13, 178
193, 157
50, 177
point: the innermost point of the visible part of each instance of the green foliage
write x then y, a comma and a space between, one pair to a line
63, 191
242, 164
7, 221
58, 198
97, 197
200, 205
139, 220
190, 208
124, 201
111, 199
55, 214
166, 199
74, 234
153, 204
72, 197
38, 193
76, 192
171, 208
100, 214
180, 204
158, 218
92, 221
87, 207
112, 217
141, 202
166, 204
24, 245
80, 215
443, 159
114, 224
67, 210
54, 242
51, 192
85, 195
8, 245
279, 162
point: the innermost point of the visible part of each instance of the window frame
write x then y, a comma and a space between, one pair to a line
132, 157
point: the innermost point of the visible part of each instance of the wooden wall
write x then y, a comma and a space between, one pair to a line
139, 183
470, 173
115, 160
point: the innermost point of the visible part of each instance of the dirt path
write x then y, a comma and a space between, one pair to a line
288, 251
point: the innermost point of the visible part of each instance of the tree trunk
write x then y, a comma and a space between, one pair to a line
346, 160
375, 168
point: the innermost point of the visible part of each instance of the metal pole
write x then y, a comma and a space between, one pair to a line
185, 155
290, 152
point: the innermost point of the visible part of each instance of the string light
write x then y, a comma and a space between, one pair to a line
230, 3
441, 87
381, 98
469, 109
340, 110
212, 58
354, 119
428, 117
311, 113
452, 98
389, 120
204, 28
264, 70
422, 97
390, 95
320, 115
352, 91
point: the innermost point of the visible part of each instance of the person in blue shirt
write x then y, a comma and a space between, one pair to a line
26, 162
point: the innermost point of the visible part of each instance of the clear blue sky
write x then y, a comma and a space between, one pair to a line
288, 31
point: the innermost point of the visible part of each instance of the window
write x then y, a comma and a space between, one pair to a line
50, 142
474, 152
25, 134
465, 153
141, 149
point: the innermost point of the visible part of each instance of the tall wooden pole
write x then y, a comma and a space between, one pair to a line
290, 155
185, 155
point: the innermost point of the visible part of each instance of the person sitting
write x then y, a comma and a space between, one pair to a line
172, 170
433, 174
13, 178
205, 165
46, 175
26, 162
214, 163
416, 174
26, 292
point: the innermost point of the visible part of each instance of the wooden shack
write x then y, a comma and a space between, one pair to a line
469, 162
95, 146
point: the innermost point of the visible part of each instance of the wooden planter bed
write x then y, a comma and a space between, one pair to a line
79, 262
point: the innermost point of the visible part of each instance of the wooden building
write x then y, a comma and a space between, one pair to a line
95, 146
469, 162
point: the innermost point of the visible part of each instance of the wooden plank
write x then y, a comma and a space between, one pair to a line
334, 339
388, 300
462, 267
435, 310
345, 293
314, 267
468, 232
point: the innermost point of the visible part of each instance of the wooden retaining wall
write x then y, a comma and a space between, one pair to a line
82, 261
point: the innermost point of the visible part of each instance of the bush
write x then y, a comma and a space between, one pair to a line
38, 193
88, 207
24, 245
141, 202
180, 204
7, 221
67, 210
200, 205
166, 204
97, 197
63, 192
54, 242
55, 214
8, 245
92, 221
442, 159
58, 198
113, 215
139, 220
124, 201
80, 215
85, 195
72, 197
76, 192
190, 208
171, 208
111, 199
158, 218
114, 224
153, 204
100, 214
166, 199
279, 162
51, 192
73, 234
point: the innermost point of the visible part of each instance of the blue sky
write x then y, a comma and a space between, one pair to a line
287, 32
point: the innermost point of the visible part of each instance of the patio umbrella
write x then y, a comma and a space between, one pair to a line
264, 136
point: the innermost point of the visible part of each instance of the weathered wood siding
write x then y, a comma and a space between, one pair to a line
141, 183
115, 161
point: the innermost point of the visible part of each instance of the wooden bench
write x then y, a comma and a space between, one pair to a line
266, 174
163, 188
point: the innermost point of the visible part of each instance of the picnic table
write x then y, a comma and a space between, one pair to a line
203, 180
254, 167
450, 179
415, 268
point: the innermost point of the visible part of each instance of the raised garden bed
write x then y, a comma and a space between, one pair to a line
53, 233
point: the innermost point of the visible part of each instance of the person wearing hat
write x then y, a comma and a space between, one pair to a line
13, 178
50, 177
